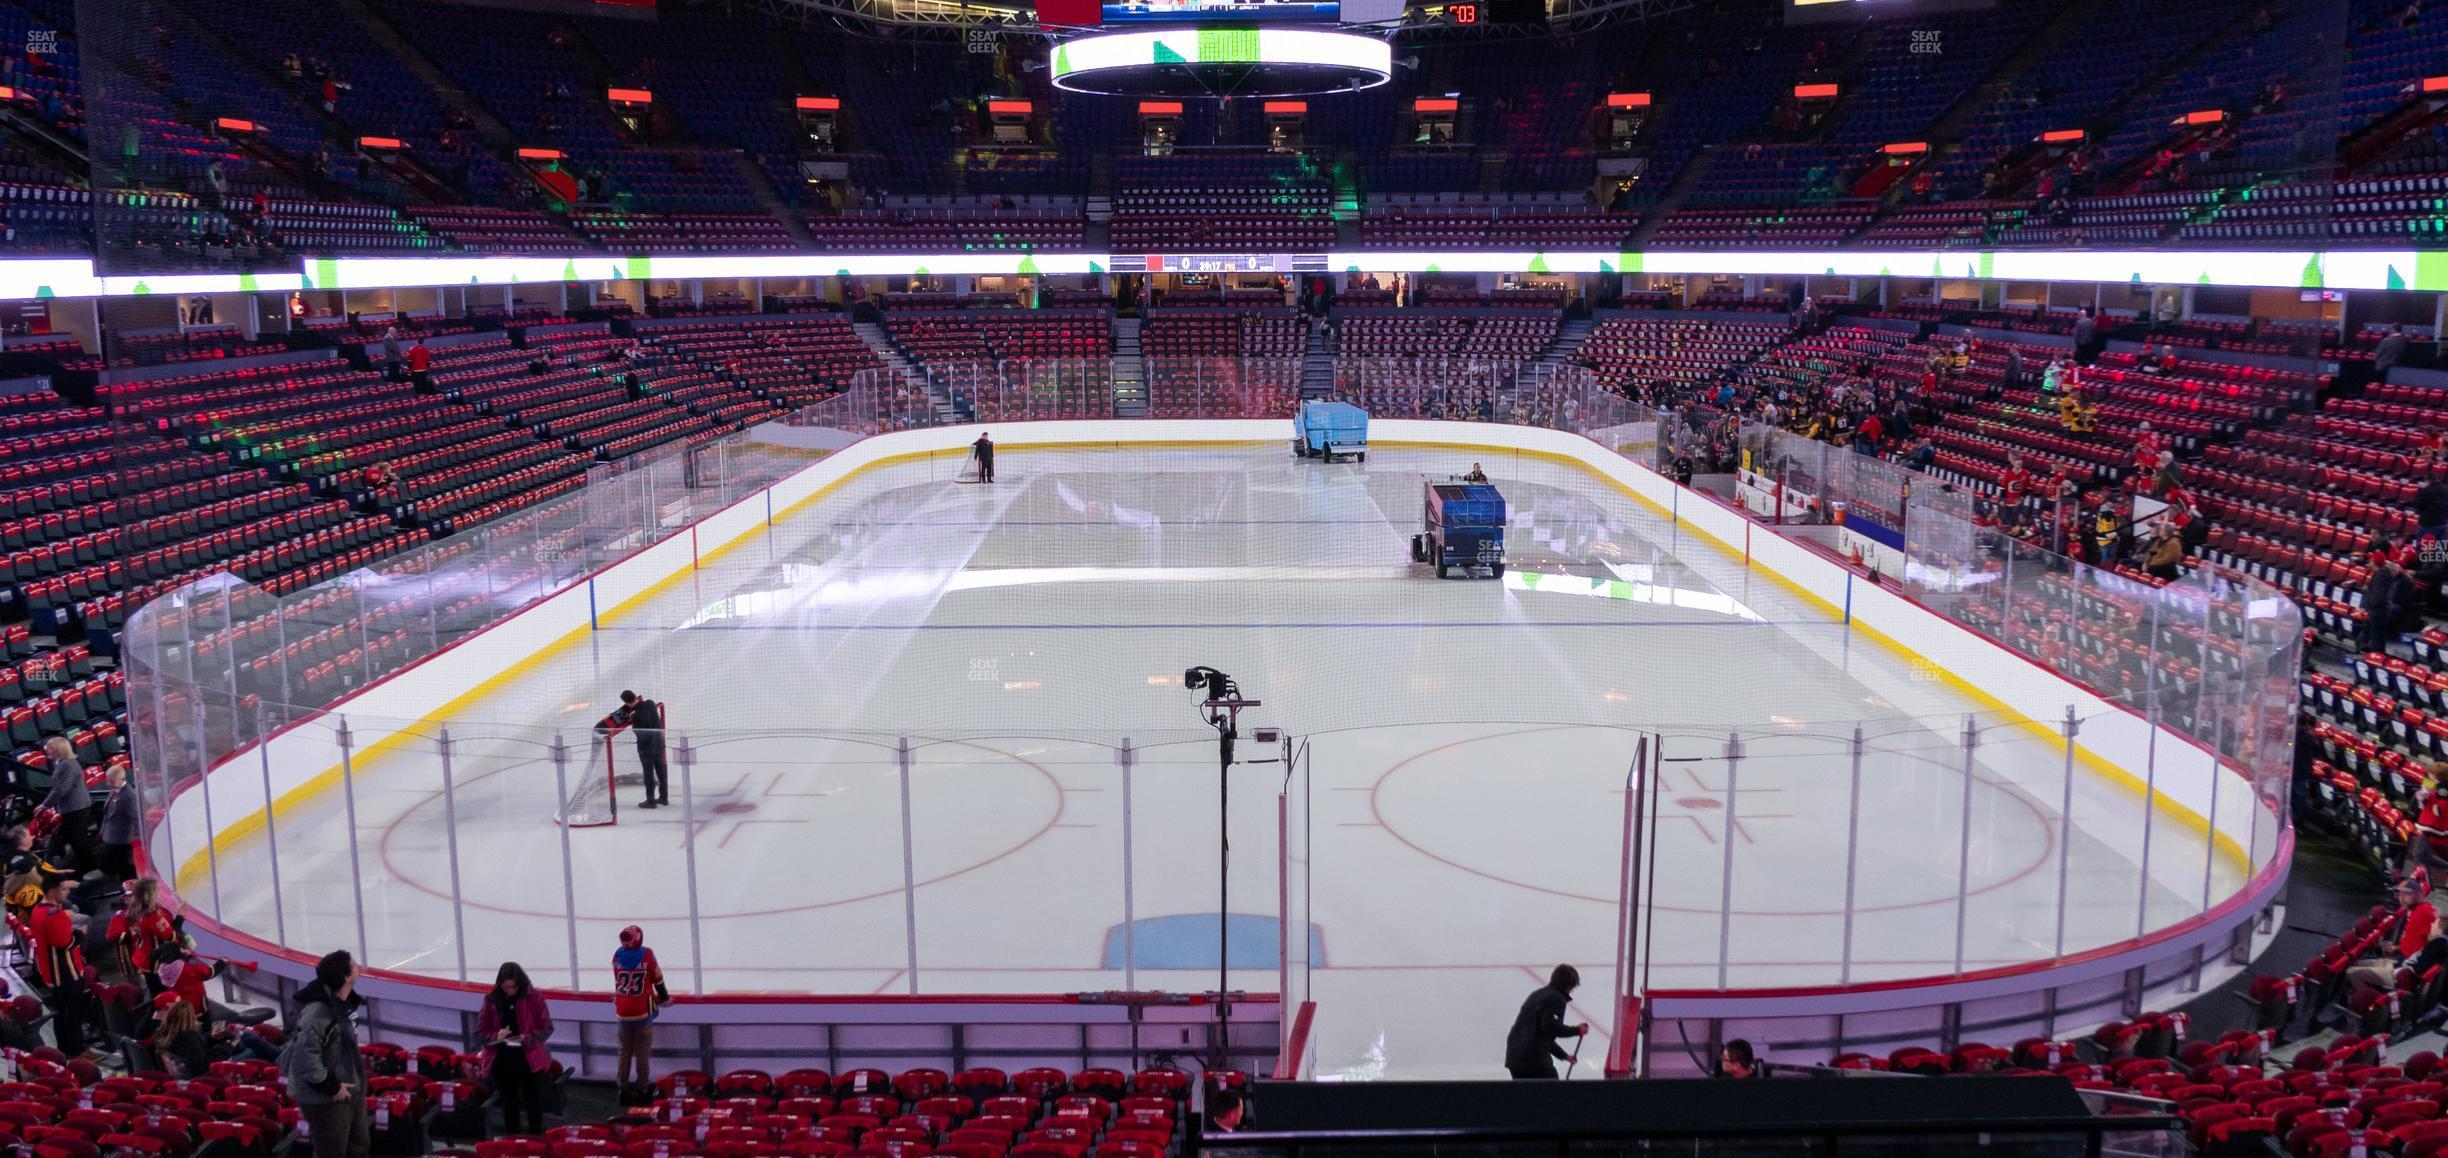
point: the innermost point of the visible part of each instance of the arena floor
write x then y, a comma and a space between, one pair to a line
1468, 743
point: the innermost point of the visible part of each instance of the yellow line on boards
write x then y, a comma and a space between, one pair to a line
233, 834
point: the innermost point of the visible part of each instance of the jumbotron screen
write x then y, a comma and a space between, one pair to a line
1220, 11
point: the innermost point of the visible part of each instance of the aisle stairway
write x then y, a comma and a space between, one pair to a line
898, 363
1317, 367
1568, 339
1129, 369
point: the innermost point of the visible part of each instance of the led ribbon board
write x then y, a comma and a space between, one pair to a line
1287, 61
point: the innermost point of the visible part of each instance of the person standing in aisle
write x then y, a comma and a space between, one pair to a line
121, 818
72, 800
319, 1061
513, 1027
644, 719
638, 994
1531, 1051
2392, 350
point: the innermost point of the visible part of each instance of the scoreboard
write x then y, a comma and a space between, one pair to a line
1496, 12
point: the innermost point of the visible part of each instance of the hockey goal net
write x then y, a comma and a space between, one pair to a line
610, 768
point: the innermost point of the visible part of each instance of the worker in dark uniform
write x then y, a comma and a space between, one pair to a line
983, 451
1476, 475
644, 719
1530, 1049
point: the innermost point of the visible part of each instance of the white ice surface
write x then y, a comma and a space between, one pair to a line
1469, 742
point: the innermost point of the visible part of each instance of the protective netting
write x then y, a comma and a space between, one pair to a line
592, 800
910, 713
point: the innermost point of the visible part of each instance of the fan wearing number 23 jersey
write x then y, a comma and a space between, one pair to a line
637, 984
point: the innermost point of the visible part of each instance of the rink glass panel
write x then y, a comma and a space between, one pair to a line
923, 896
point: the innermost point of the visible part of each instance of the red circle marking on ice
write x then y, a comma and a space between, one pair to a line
1376, 791
985, 857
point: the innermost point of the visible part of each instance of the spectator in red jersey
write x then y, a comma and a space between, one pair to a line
141, 930
381, 482
2016, 482
420, 365
638, 995
513, 1027
2401, 938
2428, 844
59, 963
2146, 449
1867, 435
183, 976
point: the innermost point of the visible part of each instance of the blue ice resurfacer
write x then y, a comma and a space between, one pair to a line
1327, 429
1466, 526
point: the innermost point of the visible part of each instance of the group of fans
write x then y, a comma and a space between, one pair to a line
1847, 402
57, 912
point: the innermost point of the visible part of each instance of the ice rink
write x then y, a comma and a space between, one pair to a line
1468, 745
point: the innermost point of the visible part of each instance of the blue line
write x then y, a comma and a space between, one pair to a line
1412, 626
591, 606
